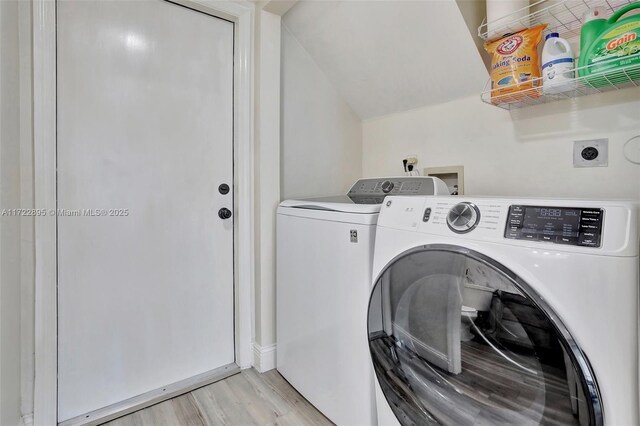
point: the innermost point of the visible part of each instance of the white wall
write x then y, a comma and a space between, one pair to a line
321, 137
267, 183
474, 13
389, 56
9, 226
527, 152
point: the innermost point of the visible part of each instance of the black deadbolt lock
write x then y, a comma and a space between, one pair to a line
224, 213
224, 189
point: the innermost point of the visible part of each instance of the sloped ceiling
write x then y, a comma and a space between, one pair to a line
390, 56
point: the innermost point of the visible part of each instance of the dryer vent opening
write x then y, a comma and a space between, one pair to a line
458, 339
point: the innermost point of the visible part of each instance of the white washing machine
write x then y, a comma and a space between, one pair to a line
489, 311
324, 255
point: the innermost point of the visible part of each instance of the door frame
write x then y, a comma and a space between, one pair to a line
241, 13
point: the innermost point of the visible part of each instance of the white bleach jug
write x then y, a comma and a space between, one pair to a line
558, 65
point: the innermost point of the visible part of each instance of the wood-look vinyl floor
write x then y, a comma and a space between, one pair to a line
247, 398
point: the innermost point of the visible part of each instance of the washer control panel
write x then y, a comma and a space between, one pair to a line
560, 225
373, 191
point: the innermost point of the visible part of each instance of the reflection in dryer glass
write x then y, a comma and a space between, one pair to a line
456, 341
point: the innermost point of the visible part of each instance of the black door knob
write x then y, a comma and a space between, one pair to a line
224, 189
224, 213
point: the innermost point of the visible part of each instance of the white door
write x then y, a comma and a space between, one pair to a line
145, 138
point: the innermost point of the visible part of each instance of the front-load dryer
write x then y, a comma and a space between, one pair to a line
324, 255
489, 311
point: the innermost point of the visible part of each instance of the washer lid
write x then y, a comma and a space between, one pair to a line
340, 203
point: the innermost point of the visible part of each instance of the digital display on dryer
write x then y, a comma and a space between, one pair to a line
560, 225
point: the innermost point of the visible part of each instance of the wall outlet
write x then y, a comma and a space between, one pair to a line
591, 153
412, 160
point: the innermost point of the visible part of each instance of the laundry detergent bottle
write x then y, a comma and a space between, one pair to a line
557, 65
609, 45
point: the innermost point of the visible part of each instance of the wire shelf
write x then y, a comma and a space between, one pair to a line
600, 82
564, 17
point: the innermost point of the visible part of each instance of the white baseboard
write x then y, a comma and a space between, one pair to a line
26, 420
264, 357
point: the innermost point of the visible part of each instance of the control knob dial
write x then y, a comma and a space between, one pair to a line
463, 217
387, 186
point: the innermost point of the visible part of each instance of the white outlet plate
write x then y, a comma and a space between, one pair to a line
412, 160
601, 160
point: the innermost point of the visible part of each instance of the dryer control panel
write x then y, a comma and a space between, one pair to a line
560, 225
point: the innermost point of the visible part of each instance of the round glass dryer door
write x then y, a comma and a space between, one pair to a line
458, 339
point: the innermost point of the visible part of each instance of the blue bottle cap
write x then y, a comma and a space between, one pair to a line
551, 35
